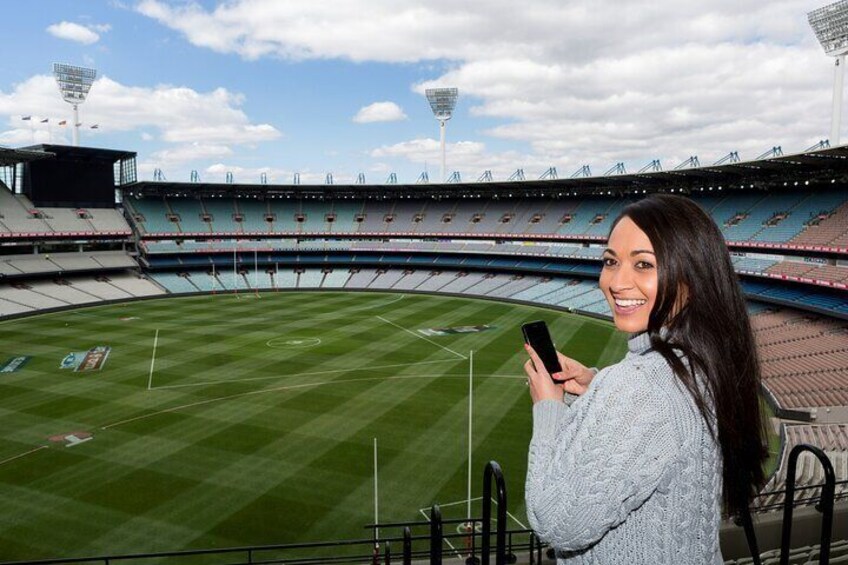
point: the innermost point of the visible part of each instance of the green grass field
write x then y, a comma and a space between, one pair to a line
256, 423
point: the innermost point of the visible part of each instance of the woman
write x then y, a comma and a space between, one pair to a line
632, 465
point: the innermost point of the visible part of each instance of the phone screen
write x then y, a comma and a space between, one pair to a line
539, 338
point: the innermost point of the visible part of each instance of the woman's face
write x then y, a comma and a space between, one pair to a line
629, 276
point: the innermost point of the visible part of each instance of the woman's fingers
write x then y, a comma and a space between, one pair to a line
537, 362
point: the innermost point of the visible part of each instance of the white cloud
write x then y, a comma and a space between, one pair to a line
76, 32
470, 158
576, 82
200, 125
379, 112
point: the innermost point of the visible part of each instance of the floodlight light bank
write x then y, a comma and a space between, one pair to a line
442, 102
74, 84
830, 24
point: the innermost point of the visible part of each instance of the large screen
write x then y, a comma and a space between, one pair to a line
71, 182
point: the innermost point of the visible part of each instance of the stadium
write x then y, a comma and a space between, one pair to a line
199, 372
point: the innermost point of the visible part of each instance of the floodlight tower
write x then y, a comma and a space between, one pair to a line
442, 102
830, 24
74, 84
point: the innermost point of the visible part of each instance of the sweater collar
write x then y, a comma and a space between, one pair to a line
641, 342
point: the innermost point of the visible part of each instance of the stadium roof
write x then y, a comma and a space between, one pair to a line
817, 167
9, 157
81, 153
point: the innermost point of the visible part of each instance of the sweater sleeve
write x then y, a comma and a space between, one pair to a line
590, 466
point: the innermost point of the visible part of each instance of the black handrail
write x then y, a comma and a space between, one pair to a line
826, 502
407, 546
493, 470
435, 535
750, 535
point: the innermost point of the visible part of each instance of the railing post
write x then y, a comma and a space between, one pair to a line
435, 535
750, 535
532, 560
493, 470
826, 502
388, 559
407, 546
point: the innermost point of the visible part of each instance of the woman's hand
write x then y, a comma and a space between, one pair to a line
575, 375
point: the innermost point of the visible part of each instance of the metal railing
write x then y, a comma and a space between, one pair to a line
430, 545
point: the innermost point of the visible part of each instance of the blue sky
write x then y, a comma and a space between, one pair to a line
253, 86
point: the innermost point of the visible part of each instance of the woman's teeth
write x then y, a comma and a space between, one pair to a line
629, 303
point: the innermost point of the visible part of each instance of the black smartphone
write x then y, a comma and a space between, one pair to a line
539, 338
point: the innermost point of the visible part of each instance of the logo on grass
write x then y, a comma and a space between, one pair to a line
13, 364
129, 318
72, 439
456, 330
82, 361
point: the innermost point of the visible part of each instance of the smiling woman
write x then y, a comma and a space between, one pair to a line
617, 466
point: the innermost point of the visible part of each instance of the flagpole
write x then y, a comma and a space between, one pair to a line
470, 414
256, 272
235, 282
376, 498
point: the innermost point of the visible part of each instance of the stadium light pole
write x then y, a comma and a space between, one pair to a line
74, 84
830, 24
442, 102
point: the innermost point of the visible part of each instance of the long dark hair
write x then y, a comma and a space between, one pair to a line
702, 307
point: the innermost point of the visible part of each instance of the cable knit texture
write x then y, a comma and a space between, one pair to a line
627, 473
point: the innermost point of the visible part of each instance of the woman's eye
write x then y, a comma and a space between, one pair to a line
608, 262
644, 265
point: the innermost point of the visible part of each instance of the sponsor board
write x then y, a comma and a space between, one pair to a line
72, 360
458, 330
83, 361
13, 364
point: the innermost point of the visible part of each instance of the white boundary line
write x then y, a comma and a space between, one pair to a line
328, 372
458, 502
10, 459
153, 360
265, 391
460, 355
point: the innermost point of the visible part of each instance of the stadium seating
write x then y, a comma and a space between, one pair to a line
743, 216
832, 439
21, 265
31, 296
803, 358
18, 217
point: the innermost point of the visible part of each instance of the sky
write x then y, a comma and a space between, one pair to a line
279, 87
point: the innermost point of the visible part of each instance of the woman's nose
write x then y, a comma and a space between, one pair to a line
622, 279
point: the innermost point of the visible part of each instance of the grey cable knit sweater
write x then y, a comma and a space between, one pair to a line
628, 472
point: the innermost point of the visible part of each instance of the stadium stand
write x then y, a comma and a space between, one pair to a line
31, 296
21, 265
803, 359
19, 218
832, 439
757, 217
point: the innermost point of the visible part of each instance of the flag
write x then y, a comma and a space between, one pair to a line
26, 118
95, 126
45, 120
63, 122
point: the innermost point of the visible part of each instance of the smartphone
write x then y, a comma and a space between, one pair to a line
539, 338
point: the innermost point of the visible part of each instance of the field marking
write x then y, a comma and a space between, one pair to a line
153, 360
269, 390
508, 513
10, 459
294, 342
328, 372
419, 336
